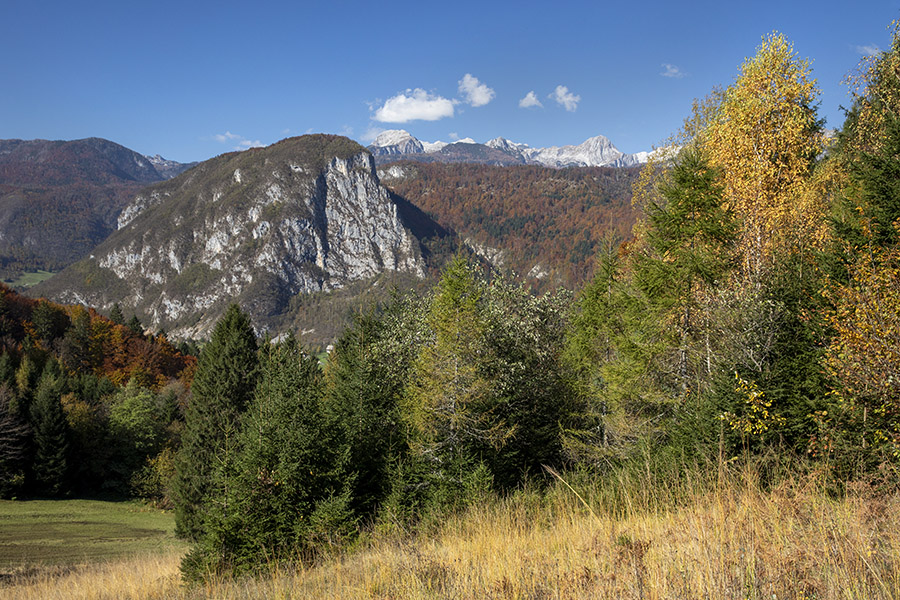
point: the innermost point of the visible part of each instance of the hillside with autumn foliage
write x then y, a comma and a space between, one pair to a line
549, 223
59, 199
88, 404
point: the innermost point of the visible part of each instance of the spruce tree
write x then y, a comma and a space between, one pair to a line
222, 388
50, 435
289, 465
49, 320
135, 325
364, 383
14, 433
116, 316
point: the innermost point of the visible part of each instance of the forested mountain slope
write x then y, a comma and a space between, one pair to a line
58, 199
543, 223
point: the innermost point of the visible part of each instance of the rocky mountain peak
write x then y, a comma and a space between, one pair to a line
394, 142
258, 227
597, 151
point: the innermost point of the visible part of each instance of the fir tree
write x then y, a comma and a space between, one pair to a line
50, 435
116, 316
222, 387
288, 485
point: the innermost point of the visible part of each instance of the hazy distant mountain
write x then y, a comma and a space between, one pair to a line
168, 168
395, 142
58, 199
597, 151
259, 227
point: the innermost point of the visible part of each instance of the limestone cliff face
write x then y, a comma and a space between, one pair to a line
257, 227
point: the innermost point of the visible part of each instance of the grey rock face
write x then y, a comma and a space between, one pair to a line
257, 229
395, 142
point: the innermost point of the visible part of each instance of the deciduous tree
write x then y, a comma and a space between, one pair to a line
765, 138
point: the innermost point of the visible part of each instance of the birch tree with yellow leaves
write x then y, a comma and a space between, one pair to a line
765, 138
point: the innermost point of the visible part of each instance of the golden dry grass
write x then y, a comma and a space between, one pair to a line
737, 542
136, 578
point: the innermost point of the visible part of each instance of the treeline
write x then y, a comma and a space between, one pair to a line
424, 406
756, 309
88, 404
555, 218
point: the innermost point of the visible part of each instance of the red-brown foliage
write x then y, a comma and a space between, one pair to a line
555, 218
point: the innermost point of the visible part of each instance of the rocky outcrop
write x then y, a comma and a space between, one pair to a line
257, 227
168, 168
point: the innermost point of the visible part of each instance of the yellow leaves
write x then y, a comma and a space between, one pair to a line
876, 90
757, 417
765, 138
865, 351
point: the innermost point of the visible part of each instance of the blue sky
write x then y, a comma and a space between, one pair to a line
190, 80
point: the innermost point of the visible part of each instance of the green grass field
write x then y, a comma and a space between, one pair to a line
37, 534
31, 278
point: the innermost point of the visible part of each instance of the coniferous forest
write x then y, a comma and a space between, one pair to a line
752, 321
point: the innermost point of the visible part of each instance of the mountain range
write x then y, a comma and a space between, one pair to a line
300, 233
59, 199
257, 227
598, 151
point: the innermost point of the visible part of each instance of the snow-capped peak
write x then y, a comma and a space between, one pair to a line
433, 146
501, 143
392, 137
596, 151
394, 142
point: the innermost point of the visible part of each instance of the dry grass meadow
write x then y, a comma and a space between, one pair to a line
735, 541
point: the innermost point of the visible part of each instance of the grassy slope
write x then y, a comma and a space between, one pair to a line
733, 541
41, 534
30, 278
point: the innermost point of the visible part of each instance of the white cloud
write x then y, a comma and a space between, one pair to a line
868, 50
224, 137
242, 142
672, 71
475, 92
453, 136
565, 98
414, 105
530, 100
